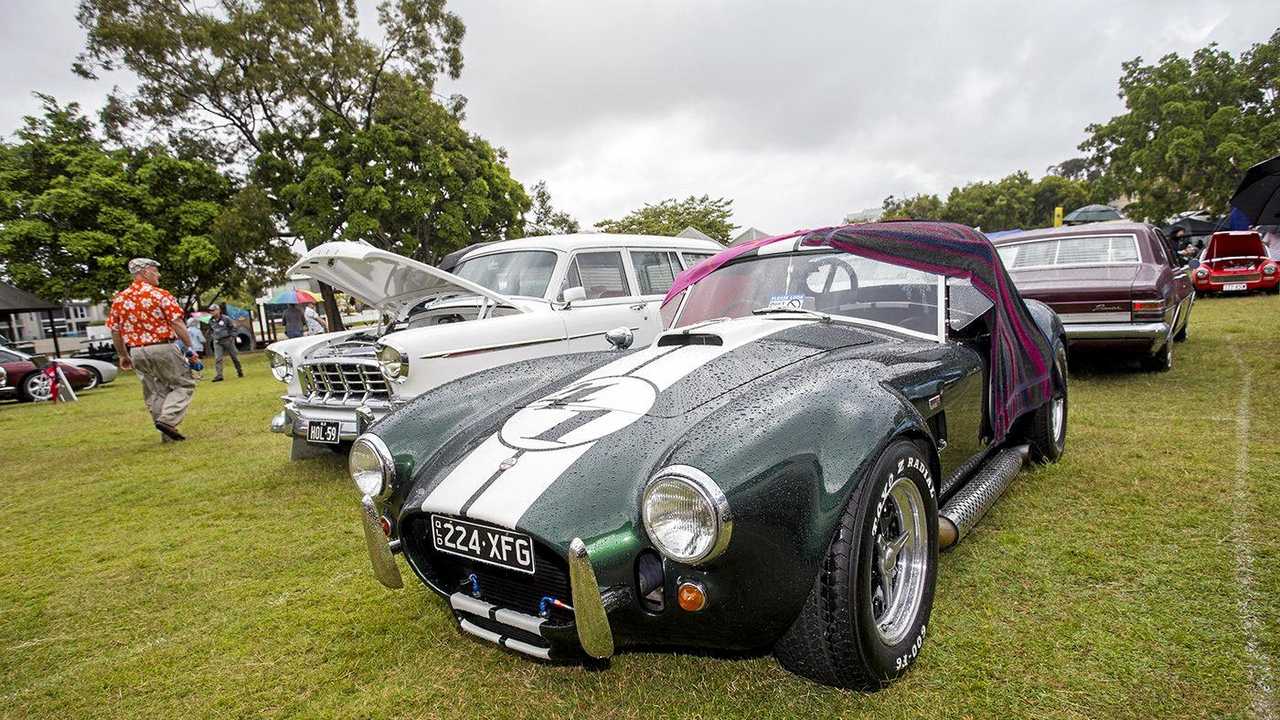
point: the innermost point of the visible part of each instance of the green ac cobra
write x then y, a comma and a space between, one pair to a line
776, 472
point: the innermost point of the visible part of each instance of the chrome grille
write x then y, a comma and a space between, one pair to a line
344, 382
1224, 279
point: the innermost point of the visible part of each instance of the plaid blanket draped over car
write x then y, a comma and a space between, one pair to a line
1021, 356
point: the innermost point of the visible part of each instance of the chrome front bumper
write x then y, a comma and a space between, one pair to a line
1153, 333
298, 414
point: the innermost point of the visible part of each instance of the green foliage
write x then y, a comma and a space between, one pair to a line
546, 219
413, 181
1015, 201
73, 212
341, 132
671, 216
1191, 127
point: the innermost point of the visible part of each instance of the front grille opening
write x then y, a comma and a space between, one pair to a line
345, 382
504, 588
650, 581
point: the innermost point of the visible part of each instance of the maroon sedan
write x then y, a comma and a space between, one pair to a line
1116, 285
25, 381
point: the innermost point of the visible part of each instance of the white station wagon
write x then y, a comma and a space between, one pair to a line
504, 302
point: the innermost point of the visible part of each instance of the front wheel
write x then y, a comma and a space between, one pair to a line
95, 379
865, 619
36, 388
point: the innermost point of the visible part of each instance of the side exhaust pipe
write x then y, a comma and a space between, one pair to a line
963, 511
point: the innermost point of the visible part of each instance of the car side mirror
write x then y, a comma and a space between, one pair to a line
620, 337
573, 295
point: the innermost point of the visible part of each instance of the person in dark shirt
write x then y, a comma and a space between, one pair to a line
222, 335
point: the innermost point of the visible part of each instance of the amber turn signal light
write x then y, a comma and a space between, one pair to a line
691, 596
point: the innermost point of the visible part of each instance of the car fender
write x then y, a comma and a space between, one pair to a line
787, 507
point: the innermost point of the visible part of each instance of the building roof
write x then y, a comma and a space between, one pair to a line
15, 300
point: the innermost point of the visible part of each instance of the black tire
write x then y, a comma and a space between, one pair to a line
1181, 336
94, 381
835, 640
28, 390
1161, 360
1048, 438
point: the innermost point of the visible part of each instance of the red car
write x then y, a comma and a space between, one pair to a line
1237, 261
28, 384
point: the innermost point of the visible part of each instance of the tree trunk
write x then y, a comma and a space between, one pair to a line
331, 310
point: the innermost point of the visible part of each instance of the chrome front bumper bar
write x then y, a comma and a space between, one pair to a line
296, 418
1156, 333
591, 618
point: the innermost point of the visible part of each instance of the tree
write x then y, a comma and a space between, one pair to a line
546, 219
413, 182
1012, 202
914, 207
669, 217
73, 212
1191, 127
291, 88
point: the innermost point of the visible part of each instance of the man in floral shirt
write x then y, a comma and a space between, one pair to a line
144, 320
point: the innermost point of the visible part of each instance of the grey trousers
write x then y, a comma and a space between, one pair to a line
225, 346
167, 385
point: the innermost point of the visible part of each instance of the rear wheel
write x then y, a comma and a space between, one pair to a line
1047, 433
1161, 361
865, 619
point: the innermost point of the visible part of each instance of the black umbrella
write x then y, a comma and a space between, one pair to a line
1092, 213
1258, 196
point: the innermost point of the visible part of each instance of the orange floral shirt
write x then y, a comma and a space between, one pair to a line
142, 312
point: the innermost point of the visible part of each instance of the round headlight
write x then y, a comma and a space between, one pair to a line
1269, 270
281, 366
371, 466
1202, 273
686, 515
393, 363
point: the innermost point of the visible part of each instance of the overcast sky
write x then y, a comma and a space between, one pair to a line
799, 111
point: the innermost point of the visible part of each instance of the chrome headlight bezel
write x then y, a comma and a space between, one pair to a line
705, 490
392, 363
1269, 270
372, 479
1202, 273
281, 366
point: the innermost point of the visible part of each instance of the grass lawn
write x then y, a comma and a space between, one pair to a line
1139, 577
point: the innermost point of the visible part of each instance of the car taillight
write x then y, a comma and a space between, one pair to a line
1148, 309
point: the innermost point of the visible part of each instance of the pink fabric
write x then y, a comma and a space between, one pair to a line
713, 263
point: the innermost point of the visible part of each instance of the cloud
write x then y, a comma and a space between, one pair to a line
799, 111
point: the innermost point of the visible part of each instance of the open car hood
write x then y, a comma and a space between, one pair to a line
383, 279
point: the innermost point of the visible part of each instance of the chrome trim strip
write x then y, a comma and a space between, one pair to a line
592, 622
475, 606
487, 348
1097, 317
384, 563
503, 641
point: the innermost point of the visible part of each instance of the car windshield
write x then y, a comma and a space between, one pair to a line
836, 284
526, 273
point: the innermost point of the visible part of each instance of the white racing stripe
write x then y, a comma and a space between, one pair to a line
511, 495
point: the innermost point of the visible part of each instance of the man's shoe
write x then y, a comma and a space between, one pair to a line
217, 379
239, 374
170, 431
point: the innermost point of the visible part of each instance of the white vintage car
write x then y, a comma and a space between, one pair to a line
504, 302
